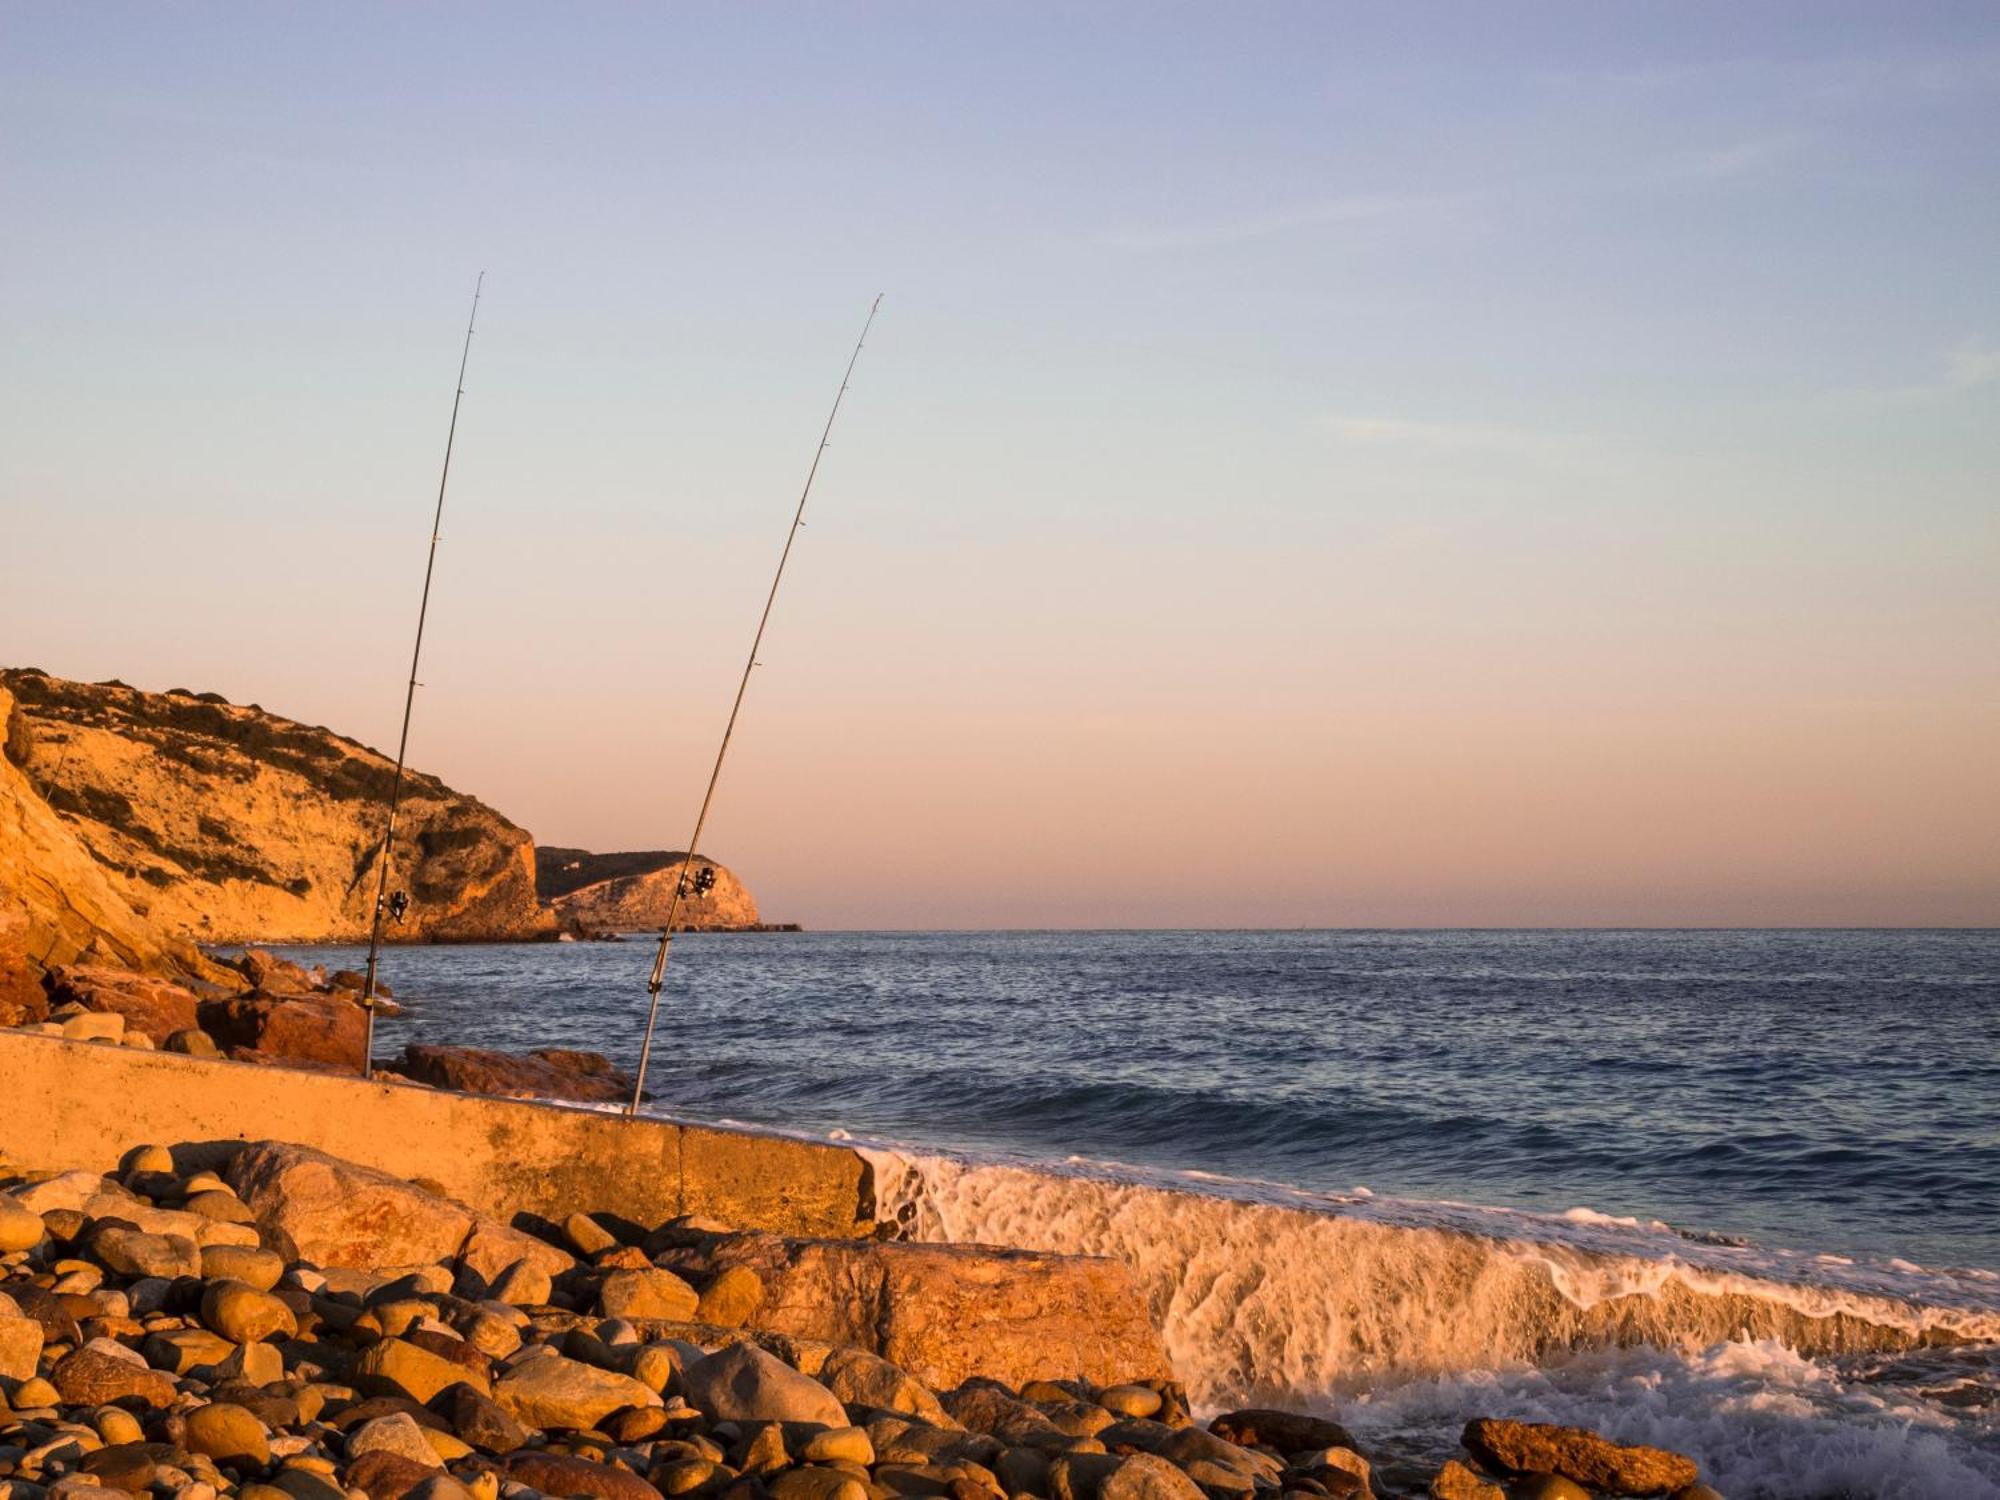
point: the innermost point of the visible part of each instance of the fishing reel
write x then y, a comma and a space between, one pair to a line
399, 906
700, 883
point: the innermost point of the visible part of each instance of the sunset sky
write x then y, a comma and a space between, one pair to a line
1316, 465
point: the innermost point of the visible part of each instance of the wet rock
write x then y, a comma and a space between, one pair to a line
1287, 1432
1548, 1487
547, 1073
1456, 1482
559, 1474
744, 1384
1578, 1454
559, 1392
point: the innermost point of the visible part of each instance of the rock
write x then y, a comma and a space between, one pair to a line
252, 1364
949, 1312
228, 1434
628, 892
558, 1474
1456, 1482
588, 1237
836, 1445
559, 1392
180, 1351
244, 1315
20, 1347
1080, 1476
133, 1252
253, 1267
1695, 1492
20, 1229
338, 1213
328, 1030
1578, 1454
130, 1467
730, 1298
268, 972
1287, 1432
401, 1367
523, 1284
813, 1483
94, 1026
647, 1294
223, 820
491, 1249
386, 1476
859, 1378
90, 1377
1146, 1477
441, 1487
152, 1007
396, 1433
65, 1190
1130, 1400
1548, 1487
479, 1420
548, 1073
193, 1042
744, 1384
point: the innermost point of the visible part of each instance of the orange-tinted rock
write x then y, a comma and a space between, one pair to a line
317, 1029
89, 1377
1287, 1432
547, 1073
156, 1007
1579, 1454
385, 1476
555, 1474
337, 1213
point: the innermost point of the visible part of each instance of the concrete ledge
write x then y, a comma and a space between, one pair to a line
70, 1104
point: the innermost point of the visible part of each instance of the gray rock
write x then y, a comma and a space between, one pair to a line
744, 1384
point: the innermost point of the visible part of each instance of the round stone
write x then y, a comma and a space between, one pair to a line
1129, 1400
19, 1229
244, 1315
228, 1434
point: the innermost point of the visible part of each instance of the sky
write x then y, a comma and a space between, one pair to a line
1316, 464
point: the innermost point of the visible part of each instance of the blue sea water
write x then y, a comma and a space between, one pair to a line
1368, 1172
1832, 1091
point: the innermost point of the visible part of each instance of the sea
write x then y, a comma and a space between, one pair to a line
1736, 1193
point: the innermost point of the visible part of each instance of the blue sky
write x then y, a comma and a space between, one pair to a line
1448, 463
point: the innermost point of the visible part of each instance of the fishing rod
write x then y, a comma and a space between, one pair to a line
383, 901
659, 978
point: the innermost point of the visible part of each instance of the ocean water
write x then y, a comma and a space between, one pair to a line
1736, 1192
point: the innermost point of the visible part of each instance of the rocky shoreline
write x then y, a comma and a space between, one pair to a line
267, 1321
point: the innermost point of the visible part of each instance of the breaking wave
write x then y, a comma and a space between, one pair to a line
1786, 1374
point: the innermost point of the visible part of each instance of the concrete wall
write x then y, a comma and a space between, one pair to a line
75, 1104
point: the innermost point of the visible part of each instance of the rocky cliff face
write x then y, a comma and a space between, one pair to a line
187, 817
632, 892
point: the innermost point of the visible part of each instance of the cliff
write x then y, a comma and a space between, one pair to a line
632, 891
149, 820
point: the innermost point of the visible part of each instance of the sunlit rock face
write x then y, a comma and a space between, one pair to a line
633, 892
215, 822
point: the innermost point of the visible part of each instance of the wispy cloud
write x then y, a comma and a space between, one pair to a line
1739, 159
1356, 209
1965, 367
1473, 439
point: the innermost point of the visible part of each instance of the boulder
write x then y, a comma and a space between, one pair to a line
1456, 1482
385, 1476
1578, 1454
557, 1392
229, 1434
946, 1313
560, 1474
337, 1213
744, 1384
91, 1377
400, 1367
1287, 1432
546, 1073
650, 1293
1146, 1477
479, 1420
859, 1378
395, 1433
329, 1031
492, 1249
244, 1315
152, 1007
133, 1252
